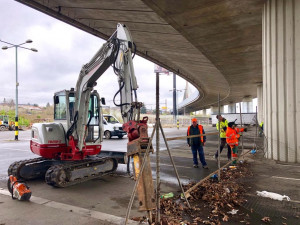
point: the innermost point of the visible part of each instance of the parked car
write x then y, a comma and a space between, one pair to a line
112, 127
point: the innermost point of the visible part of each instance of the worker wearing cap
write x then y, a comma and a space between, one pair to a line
197, 143
232, 139
223, 126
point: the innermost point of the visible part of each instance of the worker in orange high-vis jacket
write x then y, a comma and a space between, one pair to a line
232, 139
197, 143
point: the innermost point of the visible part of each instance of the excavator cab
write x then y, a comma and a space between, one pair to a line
64, 113
55, 140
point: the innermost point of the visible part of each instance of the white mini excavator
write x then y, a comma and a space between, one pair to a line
70, 147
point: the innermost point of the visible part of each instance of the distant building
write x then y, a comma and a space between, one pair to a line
30, 107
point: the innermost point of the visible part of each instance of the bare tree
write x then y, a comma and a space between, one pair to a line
11, 103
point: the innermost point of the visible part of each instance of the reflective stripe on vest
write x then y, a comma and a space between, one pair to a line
200, 127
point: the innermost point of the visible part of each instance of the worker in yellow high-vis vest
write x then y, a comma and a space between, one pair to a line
223, 126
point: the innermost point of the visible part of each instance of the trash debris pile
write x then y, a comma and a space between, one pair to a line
212, 202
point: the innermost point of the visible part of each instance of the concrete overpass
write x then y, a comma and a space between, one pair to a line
240, 49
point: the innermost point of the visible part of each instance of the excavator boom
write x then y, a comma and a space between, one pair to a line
116, 52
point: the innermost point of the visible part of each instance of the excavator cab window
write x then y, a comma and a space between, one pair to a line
60, 107
93, 119
93, 111
71, 107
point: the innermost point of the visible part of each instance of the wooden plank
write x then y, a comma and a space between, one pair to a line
191, 136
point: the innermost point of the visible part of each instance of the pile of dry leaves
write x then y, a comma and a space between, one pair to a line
211, 202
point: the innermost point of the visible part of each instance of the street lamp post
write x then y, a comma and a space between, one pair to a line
17, 84
177, 106
175, 101
177, 98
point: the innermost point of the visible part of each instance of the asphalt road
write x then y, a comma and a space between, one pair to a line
111, 193
11, 151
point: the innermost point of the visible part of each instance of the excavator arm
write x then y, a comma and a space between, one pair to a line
116, 52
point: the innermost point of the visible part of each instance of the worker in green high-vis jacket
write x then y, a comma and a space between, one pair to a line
223, 126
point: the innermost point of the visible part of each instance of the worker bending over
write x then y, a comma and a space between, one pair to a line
197, 143
232, 139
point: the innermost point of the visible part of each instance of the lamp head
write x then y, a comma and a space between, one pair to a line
4, 47
28, 41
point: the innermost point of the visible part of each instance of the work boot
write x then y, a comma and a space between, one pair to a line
196, 166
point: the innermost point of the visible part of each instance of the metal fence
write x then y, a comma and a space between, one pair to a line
184, 121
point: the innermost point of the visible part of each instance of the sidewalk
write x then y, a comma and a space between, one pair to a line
43, 211
271, 176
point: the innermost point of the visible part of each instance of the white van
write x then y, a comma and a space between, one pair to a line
112, 127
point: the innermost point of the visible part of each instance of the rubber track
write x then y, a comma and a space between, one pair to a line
54, 172
15, 168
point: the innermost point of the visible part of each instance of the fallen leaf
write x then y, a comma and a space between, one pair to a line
225, 218
266, 219
164, 221
136, 218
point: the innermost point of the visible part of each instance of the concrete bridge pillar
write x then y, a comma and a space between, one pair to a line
222, 110
247, 105
281, 79
232, 108
214, 110
260, 103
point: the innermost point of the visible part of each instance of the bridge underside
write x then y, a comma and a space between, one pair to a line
214, 44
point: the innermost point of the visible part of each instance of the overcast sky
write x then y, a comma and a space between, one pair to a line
62, 50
